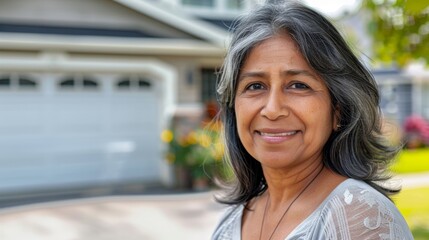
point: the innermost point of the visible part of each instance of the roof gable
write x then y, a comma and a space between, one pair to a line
118, 18
183, 22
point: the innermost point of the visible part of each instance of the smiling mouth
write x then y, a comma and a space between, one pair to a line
280, 134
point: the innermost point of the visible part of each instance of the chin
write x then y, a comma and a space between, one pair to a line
275, 161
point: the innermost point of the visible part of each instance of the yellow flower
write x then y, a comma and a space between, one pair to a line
191, 138
183, 141
167, 136
215, 126
218, 151
205, 140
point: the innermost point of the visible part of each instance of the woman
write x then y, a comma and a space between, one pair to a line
302, 133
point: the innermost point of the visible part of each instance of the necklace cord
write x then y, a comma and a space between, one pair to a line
287, 209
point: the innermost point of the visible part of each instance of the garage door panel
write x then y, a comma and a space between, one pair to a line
70, 114
19, 118
77, 138
84, 158
68, 164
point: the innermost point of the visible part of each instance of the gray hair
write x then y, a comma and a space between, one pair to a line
357, 150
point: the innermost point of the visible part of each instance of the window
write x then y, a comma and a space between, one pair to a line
5, 82
125, 84
23, 82
89, 83
14, 81
199, 3
208, 85
78, 82
67, 83
133, 82
143, 84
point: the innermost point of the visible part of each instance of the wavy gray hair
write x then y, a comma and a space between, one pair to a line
358, 150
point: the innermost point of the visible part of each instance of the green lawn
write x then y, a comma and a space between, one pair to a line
414, 206
412, 161
413, 203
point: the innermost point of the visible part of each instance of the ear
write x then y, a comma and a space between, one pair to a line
336, 123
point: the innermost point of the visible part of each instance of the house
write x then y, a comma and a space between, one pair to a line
403, 92
86, 87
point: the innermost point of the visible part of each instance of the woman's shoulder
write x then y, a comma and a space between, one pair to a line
353, 193
355, 210
229, 223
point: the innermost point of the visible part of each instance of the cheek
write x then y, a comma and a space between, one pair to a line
239, 118
240, 110
319, 116
243, 118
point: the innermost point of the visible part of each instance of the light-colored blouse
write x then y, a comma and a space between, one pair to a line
353, 210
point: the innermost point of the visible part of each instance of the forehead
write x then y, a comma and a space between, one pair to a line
283, 38
277, 51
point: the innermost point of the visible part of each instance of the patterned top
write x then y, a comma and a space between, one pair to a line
353, 210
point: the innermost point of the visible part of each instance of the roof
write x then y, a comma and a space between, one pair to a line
193, 26
206, 39
73, 31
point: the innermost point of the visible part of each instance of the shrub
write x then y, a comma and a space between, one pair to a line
199, 151
416, 132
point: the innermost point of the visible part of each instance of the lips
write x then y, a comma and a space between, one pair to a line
277, 134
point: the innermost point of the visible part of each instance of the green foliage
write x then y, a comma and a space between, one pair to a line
199, 150
412, 161
400, 30
420, 233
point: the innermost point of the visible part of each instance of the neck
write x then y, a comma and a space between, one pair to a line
282, 187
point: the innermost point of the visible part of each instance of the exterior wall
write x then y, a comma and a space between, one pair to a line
419, 74
425, 99
189, 82
387, 85
403, 95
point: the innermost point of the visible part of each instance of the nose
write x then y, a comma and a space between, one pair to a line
275, 106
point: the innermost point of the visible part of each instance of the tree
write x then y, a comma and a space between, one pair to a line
400, 30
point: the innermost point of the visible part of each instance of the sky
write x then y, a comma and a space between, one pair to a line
333, 8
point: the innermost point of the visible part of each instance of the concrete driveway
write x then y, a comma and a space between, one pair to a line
149, 217
179, 216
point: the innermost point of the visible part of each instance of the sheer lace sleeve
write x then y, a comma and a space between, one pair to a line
229, 225
359, 212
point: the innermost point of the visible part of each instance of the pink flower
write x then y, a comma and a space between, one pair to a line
415, 124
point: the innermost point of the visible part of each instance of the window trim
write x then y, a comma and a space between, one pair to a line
136, 83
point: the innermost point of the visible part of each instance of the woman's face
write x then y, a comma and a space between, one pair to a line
283, 108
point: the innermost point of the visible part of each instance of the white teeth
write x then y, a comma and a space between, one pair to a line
283, 134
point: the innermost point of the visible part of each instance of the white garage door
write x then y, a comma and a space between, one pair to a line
78, 131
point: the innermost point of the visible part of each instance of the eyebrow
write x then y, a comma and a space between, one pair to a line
251, 74
294, 72
290, 72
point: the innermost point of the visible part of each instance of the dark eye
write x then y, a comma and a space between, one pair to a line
299, 86
255, 86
